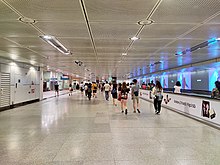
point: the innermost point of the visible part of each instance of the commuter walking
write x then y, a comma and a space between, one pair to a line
77, 86
89, 91
177, 87
158, 97
216, 90
107, 89
114, 94
119, 95
135, 96
94, 89
123, 95
86, 89
81, 88
70, 90
56, 87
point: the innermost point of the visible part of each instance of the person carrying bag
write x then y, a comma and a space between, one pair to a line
158, 97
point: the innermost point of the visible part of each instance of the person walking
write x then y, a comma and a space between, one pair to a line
56, 87
86, 89
70, 90
114, 94
107, 89
158, 97
119, 95
81, 88
94, 89
135, 96
89, 90
124, 97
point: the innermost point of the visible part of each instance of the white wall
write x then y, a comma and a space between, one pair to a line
29, 86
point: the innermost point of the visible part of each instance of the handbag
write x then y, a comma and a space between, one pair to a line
119, 97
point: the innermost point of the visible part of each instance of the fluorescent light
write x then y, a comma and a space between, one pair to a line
13, 64
134, 38
218, 39
124, 54
47, 37
55, 43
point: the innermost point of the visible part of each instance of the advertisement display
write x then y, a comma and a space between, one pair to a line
202, 108
164, 81
185, 79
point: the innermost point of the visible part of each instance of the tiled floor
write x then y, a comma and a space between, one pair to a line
76, 131
50, 94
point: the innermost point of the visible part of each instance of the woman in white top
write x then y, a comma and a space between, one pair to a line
177, 87
157, 91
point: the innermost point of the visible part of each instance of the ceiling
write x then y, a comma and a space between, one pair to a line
97, 32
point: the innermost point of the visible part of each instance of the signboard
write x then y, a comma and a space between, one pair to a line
202, 108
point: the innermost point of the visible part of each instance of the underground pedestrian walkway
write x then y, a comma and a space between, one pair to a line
73, 130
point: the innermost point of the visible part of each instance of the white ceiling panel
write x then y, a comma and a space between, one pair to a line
76, 42
205, 32
119, 11
17, 29
215, 20
109, 50
142, 50
151, 42
113, 31
33, 41
64, 29
105, 29
49, 9
164, 30
185, 11
186, 43
6, 43
112, 43
7, 14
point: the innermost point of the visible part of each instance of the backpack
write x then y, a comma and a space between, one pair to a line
159, 95
114, 91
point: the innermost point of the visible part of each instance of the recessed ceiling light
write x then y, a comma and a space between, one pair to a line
27, 20
134, 38
145, 22
124, 54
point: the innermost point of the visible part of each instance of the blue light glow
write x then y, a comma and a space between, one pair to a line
212, 41
213, 76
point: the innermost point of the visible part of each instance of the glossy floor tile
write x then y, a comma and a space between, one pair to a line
73, 130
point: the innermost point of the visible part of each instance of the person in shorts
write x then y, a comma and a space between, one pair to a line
94, 89
123, 94
56, 87
114, 94
135, 96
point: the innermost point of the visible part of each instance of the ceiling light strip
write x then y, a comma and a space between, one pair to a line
197, 47
89, 28
56, 44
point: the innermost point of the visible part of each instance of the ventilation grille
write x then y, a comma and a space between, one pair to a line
5, 89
